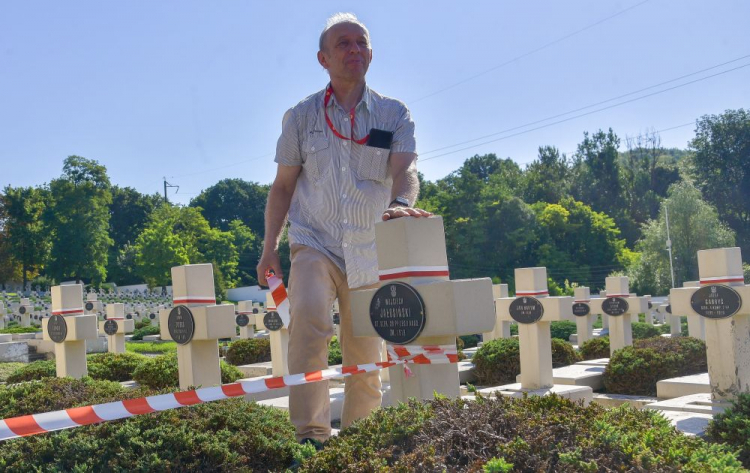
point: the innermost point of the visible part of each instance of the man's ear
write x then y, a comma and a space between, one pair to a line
322, 60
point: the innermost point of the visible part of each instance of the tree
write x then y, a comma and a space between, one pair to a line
234, 199
694, 225
547, 178
78, 221
720, 166
21, 211
249, 247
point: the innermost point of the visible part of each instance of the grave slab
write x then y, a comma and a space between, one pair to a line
254, 370
698, 403
689, 423
617, 400
683, 386
14, 351
6, 337
574, 393
578, 375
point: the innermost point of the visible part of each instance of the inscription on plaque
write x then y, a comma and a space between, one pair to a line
242, 320
397, 313
89, 306
526, 310
57, 328
581, 309
272, 321
110, 327
181, 324
615, 306
22, 310
716, 302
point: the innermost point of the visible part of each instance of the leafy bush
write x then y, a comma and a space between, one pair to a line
114, 366
138, 334
595, 348
7, 368
14, 328
563, 353
334, 352
562, 329
161, 372
142, 323
733, 427
33, 371
151, 347
231, 435
643, 330
636, 369
533, 434
497, 362
249, 351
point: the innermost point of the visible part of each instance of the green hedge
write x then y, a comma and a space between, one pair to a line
334, 352
562, 329
643, 330
534, 434
595, 348
636, 369
733, 427
161, 372
139, 333
101, 366
499, 361
19, 329
249, 351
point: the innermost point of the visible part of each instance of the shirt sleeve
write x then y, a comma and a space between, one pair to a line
288, 147
403, 137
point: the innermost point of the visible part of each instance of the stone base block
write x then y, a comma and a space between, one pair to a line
256, 369
6, 337
42, 346
574, 393
578, 375
617, 400
603, 362
14, 351
689, 423
24, 336
152, 338
469, 352
96, 345
683, 386
696, 403
466, 372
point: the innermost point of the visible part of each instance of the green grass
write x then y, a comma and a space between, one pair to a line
151, 347
7, 368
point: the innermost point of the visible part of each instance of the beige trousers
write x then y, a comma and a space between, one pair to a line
314, 282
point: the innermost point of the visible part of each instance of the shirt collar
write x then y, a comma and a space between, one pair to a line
365, 101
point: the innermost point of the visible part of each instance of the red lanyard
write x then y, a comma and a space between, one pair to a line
329, 91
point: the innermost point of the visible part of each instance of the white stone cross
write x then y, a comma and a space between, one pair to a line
722, 300
502, 326
115, 328
245, 311
582, 312
621, 307
278, 335
696, 325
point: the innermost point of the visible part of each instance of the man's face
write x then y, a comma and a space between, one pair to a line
346, 52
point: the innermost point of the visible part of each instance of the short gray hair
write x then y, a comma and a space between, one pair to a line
338, 18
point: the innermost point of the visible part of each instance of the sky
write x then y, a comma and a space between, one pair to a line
195, 91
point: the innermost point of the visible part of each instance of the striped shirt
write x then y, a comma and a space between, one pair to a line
344, 187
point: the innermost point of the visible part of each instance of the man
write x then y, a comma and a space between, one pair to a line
346, 159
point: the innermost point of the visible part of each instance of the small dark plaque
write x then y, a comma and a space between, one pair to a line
89, 306
110, 327
716, 302
255, 310
669, 308
397, 313
526, 310
650, 305
181, 324
242, 320
129, 316
22, 310
615, 306
336, 318
272, 321
152, 316
57, 328
581, 309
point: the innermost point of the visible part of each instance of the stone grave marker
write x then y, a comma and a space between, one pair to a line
245, 319
696, 325
115, 328
196, 324
418, 305
675, 324
2, 315
502, 326
69, 329
92, 304
582, 312
25, 310
278, 335
621, 307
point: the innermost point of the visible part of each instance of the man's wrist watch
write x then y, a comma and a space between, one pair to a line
399, 202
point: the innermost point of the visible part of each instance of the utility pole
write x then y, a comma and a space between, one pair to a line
669, 243
166, 184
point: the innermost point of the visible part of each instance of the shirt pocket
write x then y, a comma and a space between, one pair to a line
317, 163
373, 164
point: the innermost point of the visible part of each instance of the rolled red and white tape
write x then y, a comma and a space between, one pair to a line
278, 292
27, 425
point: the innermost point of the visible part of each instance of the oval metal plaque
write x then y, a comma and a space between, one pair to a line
669, 308
397, 313
581, 309
255, 310
272, 321
152, 316
615, 306
129, 316
110, 327
22, 310
716, 301
650, 305
57, 328
89, 306
242, 320
181, 324
526, 310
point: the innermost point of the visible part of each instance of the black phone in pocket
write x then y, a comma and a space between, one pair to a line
380, 139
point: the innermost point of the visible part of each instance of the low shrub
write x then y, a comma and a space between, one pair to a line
533, 434
595, 348
230, 435
636, 369
497, 362
114, 366
139, 333
142, 323
562, 329
161, 372
249, 351
733, 427
7, 368
18, 329
334, 352
151, 347
33, 371
563, 353
643, 330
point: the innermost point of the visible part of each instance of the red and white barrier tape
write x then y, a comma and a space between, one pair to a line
27, 425
278, 292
